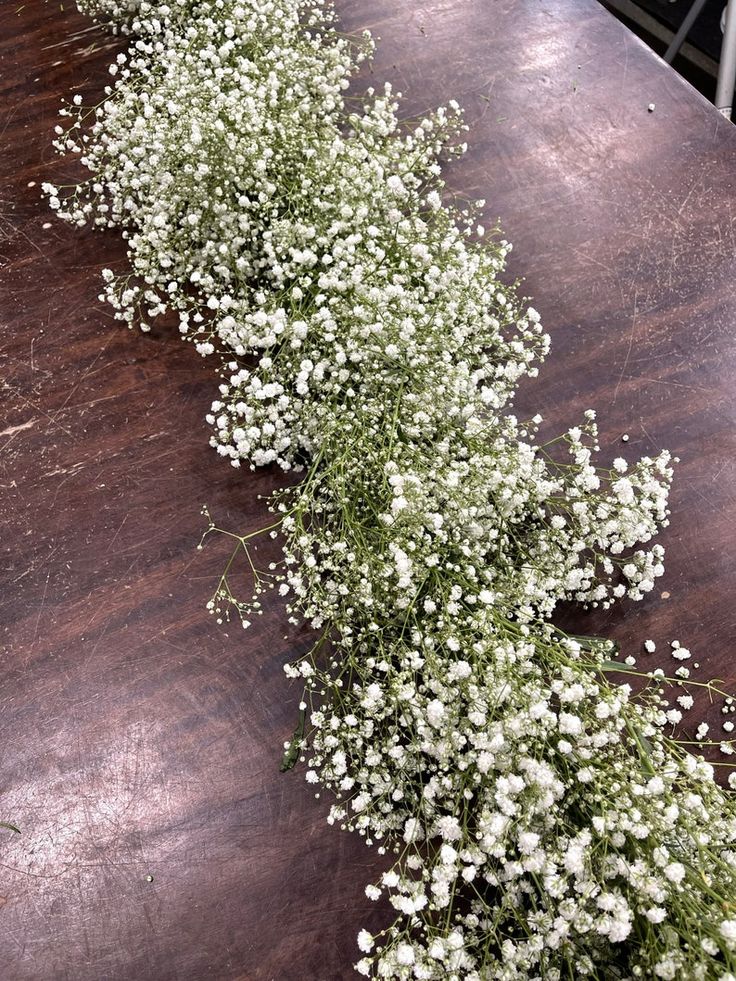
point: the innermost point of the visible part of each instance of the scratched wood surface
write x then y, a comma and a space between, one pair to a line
139, 738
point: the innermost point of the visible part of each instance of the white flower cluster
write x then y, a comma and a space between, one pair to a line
543, 823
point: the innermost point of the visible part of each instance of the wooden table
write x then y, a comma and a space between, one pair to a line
139, 738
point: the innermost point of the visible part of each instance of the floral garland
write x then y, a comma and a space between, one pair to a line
542, 822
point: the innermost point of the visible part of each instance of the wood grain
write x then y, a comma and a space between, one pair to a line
139, 738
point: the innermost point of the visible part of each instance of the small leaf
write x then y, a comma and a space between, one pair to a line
592, 643
291, 755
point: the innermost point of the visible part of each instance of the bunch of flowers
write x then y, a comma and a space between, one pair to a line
542, 821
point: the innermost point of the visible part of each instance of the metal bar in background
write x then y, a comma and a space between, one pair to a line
679, 38
654, 27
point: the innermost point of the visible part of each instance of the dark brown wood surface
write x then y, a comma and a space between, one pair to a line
139, 738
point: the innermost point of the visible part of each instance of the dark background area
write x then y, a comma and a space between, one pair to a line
705, 35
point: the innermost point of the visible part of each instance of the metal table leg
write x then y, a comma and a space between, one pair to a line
727, 66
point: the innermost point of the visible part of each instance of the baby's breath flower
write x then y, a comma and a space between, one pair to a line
543, 823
